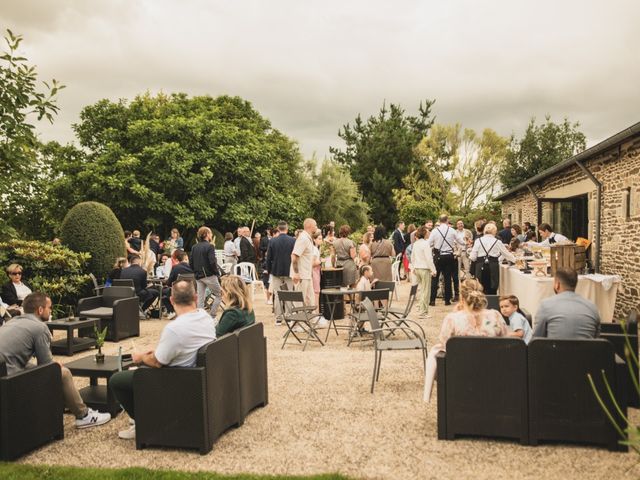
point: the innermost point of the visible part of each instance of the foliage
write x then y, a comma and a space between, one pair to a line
541, 147
14, 471
20, 100
166, 160
92, 227
338, 198
56, 271
100, 336
379, 154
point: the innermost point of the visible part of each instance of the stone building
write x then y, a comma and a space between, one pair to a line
596, 195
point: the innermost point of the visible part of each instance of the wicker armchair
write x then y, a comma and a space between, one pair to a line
196, 404
117, 308
31, 407
252, 364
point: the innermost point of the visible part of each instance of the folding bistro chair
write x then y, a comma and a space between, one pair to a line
380, 298
382, 343
299, 318
397, 315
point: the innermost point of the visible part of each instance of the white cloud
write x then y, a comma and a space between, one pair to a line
312, 66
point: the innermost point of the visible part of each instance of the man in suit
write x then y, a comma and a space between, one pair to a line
139, 276
278, 265
247, 251
398, 238
505, 234
181, 268
205, 267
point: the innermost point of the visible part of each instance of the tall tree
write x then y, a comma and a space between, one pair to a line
379, 154
541, 147
339, 198
166, 160
21, 102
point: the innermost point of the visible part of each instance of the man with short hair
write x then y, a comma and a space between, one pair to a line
139, 276
247, 251
27, 336
302, 261
549, 237
566, 315
181, 268
178, 347
442, 239
205, 267
398, 238
278, 265
505, 234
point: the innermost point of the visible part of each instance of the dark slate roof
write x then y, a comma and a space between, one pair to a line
610, 142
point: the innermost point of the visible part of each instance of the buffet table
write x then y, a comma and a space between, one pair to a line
600, 289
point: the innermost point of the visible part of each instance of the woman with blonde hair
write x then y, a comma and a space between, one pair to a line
470, 318
239, 309
15, 290
364, 252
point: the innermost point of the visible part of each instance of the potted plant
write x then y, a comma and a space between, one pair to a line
100, 336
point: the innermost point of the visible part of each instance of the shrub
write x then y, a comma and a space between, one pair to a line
56, 271
92, 227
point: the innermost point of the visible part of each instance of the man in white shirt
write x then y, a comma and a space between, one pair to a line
549, 237
301, 261
178, 346
442, 240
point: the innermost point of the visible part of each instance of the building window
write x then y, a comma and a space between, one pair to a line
627, 204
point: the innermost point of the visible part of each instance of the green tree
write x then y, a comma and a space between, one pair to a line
338, 198
541, 147
379, 153
20, 102
166, 160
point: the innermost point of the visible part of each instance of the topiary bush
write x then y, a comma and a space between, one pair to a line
56, 271
92, 227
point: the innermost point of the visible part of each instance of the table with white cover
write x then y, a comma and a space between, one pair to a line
530, 290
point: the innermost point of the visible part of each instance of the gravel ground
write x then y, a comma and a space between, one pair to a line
321, 418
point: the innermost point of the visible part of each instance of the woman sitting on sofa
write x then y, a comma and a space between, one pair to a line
470, 318
239, 311
15, 290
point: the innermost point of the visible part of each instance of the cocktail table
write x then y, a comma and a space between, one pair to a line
98, 397
72, 344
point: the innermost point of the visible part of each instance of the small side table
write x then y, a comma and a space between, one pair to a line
98, 397
72, 344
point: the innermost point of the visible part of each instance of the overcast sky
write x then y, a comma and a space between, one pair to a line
310, 67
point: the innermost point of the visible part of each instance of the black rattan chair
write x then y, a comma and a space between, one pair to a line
562, 405
482, 388
117, 309
31, 407
252, 364
189, 407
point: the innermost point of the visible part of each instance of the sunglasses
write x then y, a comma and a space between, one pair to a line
15, 273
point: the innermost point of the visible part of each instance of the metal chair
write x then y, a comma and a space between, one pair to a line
299, 319
391, 286
380, 300
382, 343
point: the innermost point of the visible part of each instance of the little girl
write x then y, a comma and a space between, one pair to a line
366, 275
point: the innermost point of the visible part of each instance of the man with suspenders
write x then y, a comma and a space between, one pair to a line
442, 240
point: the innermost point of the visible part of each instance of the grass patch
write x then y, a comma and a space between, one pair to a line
12, 471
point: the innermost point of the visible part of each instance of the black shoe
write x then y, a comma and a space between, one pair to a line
446, 303
455, 299
432, 304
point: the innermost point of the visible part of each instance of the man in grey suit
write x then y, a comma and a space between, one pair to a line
567, 315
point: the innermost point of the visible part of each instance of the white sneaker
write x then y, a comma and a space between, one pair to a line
128, 434
322, 323
93, 418
269, 302
171, 316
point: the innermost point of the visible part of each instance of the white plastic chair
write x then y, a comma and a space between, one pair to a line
247, 271
395, 276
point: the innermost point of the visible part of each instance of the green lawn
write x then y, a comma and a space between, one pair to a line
11, 471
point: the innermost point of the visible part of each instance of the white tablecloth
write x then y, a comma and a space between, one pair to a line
600, 289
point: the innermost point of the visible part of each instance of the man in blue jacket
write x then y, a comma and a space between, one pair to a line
278, 265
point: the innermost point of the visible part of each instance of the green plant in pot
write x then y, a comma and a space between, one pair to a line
100, 336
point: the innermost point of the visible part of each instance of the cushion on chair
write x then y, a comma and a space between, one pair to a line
100, 312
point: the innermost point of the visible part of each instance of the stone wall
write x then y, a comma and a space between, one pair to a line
618, 170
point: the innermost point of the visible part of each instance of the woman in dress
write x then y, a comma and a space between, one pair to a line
381, 253
345, 256
238, 311
316, 265
470, 318
15, 290
364, 253
229, 252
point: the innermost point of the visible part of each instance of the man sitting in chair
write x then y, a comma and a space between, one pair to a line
178, 346
27, 336
139, 276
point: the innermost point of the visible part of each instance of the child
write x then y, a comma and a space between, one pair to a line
519, 325
366, 275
